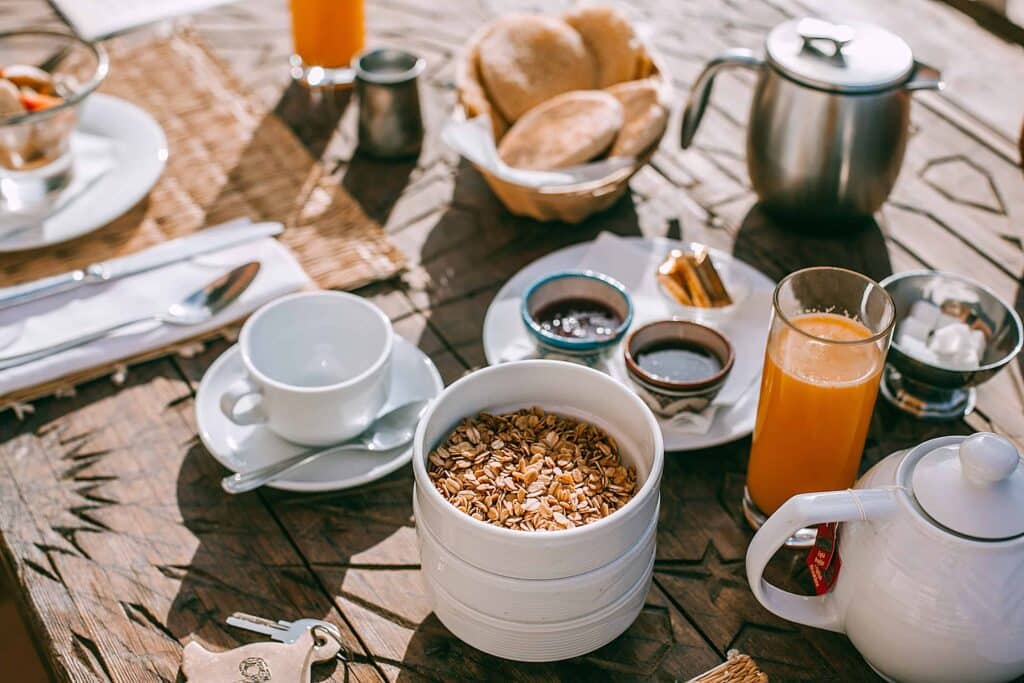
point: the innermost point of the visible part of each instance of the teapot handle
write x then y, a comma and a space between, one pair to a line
700, 93
799, 512
924, 78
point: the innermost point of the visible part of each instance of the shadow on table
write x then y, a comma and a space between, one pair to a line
270, 173
477, 245
313, 114
377, 183
777, 246
245, 562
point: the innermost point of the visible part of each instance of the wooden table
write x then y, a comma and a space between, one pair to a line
124, 547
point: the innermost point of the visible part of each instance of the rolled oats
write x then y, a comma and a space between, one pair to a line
531, 470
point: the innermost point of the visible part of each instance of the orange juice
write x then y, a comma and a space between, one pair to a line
327, 33
815, 408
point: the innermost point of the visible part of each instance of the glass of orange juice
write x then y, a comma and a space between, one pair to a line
327, 34
829, 334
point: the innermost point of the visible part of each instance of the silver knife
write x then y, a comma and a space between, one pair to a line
180, 249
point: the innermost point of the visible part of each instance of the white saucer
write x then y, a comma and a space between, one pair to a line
503, 329
413, 376
141, 150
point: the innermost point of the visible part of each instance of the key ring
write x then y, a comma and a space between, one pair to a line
344, 654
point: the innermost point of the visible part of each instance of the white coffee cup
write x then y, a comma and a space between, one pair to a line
318, 367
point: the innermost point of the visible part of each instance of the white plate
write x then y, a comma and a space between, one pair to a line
503, 329
141, 150
413, 376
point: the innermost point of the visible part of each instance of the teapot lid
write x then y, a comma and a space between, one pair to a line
975, 488
848, 57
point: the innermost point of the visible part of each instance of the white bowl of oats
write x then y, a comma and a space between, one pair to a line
537, 600
537, 483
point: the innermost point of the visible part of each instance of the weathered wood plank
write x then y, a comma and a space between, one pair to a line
122, 541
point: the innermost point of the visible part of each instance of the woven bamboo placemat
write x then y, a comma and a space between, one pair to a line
228, 158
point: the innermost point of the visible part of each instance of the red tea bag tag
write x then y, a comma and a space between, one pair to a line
823, 560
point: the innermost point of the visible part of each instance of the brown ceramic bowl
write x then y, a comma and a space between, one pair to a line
668, 397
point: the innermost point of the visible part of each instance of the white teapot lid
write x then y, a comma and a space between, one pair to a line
975, 488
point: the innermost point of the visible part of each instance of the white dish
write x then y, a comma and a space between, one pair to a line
241, 448
318, 367
503, 329
141, 149
567, 389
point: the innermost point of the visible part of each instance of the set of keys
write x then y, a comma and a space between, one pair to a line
295, 647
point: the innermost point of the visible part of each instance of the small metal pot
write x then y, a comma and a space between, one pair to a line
390, 120
830, 115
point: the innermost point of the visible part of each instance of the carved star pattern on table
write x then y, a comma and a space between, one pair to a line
961, 179
712, 570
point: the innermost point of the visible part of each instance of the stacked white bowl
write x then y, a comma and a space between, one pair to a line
540, 595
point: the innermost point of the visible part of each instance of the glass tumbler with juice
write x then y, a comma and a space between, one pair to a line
327, 34
826, 349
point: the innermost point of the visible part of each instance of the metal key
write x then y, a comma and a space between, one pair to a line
284, 631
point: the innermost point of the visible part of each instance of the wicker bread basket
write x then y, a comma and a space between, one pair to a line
568, 203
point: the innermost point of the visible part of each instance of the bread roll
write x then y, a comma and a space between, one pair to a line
527, 59
472, 95
644, 117
610, 37
567, 130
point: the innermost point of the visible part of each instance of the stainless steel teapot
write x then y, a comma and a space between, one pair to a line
830, 116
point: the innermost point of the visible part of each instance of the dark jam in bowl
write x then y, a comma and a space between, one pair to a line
678, 361
582, 319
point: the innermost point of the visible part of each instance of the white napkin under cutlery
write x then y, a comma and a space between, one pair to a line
50, 320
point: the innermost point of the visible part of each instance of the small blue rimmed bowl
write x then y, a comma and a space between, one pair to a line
576, 286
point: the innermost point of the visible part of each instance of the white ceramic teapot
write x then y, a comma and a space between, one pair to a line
931, 586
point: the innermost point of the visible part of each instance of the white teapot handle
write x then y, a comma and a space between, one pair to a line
796, 513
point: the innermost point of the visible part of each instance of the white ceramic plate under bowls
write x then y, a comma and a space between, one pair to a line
139, 149
240, 449
633, 261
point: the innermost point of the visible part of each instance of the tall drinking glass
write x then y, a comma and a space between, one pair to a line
327, 34
829, 334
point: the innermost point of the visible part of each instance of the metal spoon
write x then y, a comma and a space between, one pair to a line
196, 308
392, 429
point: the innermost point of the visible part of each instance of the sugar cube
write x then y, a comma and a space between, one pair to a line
916, 348
926, 312
912, 327
944, 320
965, 359
948, 340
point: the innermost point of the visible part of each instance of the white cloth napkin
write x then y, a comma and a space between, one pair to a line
100, 18
93, 157
745, 325
53, 319
474, 140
